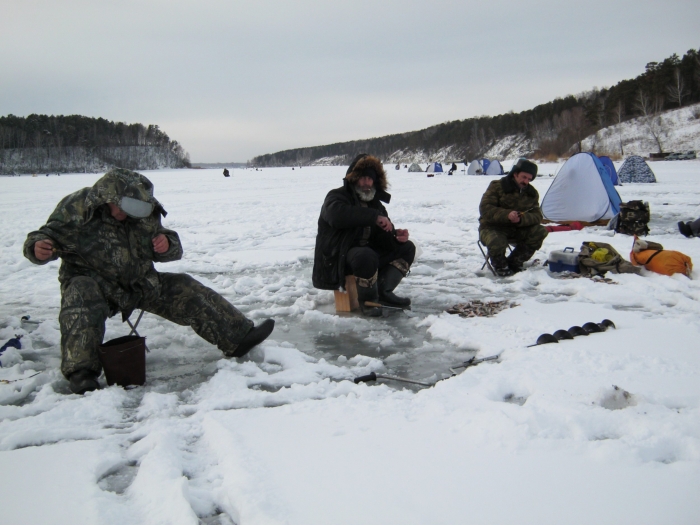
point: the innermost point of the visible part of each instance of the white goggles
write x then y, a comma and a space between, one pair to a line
136, 208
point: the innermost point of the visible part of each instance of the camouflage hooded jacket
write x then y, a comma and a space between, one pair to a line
503, 196
118, 255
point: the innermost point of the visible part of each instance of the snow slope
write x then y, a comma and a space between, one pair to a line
542, 436
678, 130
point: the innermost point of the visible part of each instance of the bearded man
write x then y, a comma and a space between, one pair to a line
356, 237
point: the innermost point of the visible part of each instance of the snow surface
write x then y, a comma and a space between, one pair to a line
541, 436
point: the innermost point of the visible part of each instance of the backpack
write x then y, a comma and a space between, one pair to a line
653, 257
597, 258
633, 218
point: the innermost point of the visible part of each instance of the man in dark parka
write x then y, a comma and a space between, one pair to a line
510, 211
108, 237
356, 237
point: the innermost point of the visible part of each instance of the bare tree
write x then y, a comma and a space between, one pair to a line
619, 112
676, 89
642, 103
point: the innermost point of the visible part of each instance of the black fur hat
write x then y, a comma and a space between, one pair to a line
524, 165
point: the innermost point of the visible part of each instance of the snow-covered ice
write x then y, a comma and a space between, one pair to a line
601, 429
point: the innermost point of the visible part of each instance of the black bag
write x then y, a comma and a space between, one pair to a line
633, 218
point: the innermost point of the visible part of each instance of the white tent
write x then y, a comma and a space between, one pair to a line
475, 168
415, 167
582, 191
434, 167
494, 168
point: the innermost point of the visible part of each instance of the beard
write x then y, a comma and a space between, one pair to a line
365, 195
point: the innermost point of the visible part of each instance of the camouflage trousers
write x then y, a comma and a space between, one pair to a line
527, 240
183, 300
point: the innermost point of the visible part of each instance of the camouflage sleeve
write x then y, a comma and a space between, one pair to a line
534, 215
61, 228
531, 218
340, 213
174, 252
490, 209
32, 238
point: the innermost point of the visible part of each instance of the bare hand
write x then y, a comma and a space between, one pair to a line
384, 223
514, 216
43, 250
402, 235
160, 243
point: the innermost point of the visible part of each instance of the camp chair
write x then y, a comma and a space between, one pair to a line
135, 325
511, 245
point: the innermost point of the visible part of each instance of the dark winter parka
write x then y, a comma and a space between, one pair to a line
118, 255
503, 196
342, 221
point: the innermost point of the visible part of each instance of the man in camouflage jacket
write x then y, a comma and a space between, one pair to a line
108, 237
355, 236
510, 213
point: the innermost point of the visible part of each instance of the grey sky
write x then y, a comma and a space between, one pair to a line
233, 79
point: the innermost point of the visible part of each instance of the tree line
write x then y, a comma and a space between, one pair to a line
74, 143
556, 128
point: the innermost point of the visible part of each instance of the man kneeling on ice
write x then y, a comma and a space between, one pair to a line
510, 212
355, 236
108, 237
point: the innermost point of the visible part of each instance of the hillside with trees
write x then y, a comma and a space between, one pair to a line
555, 129
70, 144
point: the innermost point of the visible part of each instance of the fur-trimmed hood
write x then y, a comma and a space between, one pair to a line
362, 162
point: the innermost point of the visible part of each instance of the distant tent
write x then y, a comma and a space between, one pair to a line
494, 168
582, 191
434, 167
398, 166
475, 168
485, 165
415, 167
611, 169
634, 169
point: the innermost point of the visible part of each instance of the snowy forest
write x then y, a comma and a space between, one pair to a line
70, 144
548, 131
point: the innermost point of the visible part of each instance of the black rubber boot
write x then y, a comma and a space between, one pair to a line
365, 293
519, 256
499, 263
684, 228
389, 279
253, 338
83, 381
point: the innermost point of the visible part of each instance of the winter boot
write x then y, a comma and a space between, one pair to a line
368, 293
518, 257
389, 279
253, 338
499, 263
83, 381
684, 228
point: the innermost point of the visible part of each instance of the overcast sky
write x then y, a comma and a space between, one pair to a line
232, 79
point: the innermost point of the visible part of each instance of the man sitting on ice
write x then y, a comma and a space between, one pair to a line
510, 211
355, 236
108, 237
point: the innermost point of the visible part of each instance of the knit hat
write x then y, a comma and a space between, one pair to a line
524, 165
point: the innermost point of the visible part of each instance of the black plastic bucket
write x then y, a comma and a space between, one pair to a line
124, 360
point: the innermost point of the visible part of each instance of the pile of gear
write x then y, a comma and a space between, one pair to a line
477, 308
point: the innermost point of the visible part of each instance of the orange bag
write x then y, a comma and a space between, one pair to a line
653, 257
